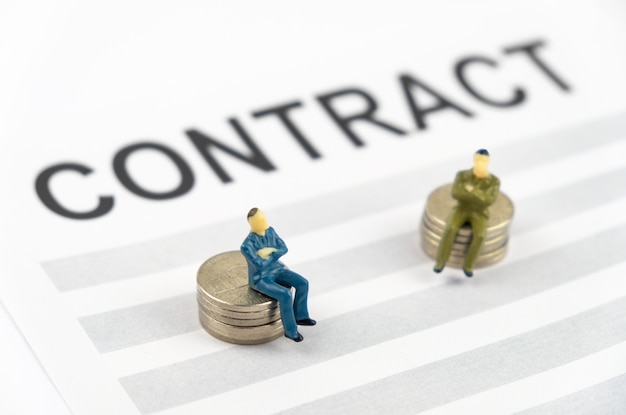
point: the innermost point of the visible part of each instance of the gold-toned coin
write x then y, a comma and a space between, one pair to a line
241, 335
223, 279
488, 242
456, 261
464, 234
440, 203
465, 230
461, 250
457, 249
461, 255
228, 308
205, 301
480, 263
246, 321
431, 250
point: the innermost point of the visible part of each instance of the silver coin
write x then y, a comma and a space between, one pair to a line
440, 203
459, 252
205, 301
241, 335
456, 249
456, 261
439, 206
488, 245
464, 234
224, 280
480, 263
246, 321
436, 233
465, 231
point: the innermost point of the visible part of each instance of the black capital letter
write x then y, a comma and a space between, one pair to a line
281, 112
42, 186
519, 94
529, 49
418, 113
119, 166
344, 121
204, 144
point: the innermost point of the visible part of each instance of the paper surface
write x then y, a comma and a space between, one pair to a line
337, 120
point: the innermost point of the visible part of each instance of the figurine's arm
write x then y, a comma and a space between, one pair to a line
276, 248
281, 247
248, 250
271, 255
493, 191
459, 188
489, 194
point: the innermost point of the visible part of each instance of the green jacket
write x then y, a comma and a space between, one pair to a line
481, 195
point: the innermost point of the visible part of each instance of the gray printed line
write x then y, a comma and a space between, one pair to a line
484, 368
606, 398
556, 204
236, 367
144, 323
114, 330
148, 322
402, 252
195, 245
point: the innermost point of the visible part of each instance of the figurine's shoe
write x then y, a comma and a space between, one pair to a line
296, 339
306, 322
467, 273
438, 267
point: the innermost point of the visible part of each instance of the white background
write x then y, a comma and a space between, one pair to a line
79, 80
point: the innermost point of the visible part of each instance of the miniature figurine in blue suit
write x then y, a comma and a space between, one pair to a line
266, 274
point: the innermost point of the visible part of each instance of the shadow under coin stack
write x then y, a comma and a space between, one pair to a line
229, 309
438, 207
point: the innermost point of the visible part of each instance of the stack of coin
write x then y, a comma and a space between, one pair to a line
229, 309
438, 207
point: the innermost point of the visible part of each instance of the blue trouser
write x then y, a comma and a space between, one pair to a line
274, 284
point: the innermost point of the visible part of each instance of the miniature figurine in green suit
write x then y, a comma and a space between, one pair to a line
475, 190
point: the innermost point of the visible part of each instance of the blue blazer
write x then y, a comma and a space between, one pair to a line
257, 266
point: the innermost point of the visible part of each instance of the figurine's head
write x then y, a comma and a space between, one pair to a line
481, 163
257, 221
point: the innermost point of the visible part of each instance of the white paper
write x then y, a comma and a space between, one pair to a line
106, 306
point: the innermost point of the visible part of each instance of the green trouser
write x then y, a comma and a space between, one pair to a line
458, 218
